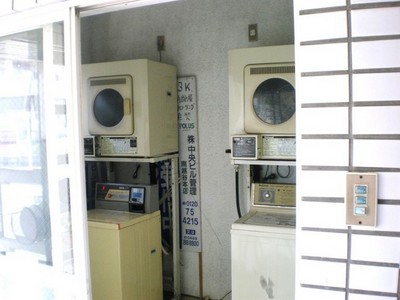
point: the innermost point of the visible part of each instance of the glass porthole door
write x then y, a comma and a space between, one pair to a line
274, 101
42, 226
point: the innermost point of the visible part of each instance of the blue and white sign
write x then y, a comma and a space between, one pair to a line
189, 165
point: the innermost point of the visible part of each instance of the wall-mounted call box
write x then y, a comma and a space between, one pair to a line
361, 198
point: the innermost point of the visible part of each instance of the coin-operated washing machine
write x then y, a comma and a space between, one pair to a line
263, 245
262, 106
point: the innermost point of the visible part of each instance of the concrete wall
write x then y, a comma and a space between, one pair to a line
198, 35
348, 75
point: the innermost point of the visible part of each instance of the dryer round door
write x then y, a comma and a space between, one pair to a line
110, 105
274, 101
270, 101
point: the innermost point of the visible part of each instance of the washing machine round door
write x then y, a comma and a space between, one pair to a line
108, 107
274, 101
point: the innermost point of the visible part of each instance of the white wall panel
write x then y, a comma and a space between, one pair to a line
323, 89
324, 273
322, 26
324, 121
377, 153
325, 152
374, 87
322, 215
388, 185
377, 54
370, 22
323, 58
373, 278
388, 217
309, 293
375, 248
322, 244
376, 120
368, 297
312, 4
323, 184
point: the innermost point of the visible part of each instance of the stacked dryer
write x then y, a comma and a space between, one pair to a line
262, 102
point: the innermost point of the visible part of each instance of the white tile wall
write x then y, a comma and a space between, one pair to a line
385, 120
367, 297
327, 215
389, 187
330, 25
324, 58
372, 22
372, 248
334, 152
333, 245
324, 273
324, 89
376, 54
319, 294
387, 217
373, 278
324, 121
312, 4
377, 153
369, 142
375, 87
322, 184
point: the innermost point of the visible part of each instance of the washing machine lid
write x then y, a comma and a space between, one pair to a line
271, 217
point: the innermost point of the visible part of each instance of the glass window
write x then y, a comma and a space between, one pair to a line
36, 245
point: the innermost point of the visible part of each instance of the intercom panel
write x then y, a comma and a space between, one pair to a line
361, 198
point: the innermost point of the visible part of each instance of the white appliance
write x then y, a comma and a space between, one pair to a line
130, 108
262, 90
263, 248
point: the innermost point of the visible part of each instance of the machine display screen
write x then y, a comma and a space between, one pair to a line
137, 195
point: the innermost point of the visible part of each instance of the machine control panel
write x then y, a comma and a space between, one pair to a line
278, 147
255, 146
361, 199
245, 146
112, 192
117, 146
265, 194
127, 197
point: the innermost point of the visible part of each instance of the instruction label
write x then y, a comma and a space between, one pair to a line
189, 165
